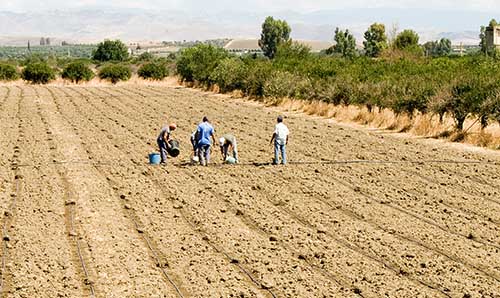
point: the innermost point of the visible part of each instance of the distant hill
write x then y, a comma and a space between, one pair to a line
92, 25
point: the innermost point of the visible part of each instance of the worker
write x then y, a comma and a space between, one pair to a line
194, 143
163, 139
205, 132
226, 142
280, 138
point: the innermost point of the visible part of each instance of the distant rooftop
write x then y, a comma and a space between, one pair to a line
252, 45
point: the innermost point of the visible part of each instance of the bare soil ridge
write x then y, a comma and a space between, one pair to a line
357, 213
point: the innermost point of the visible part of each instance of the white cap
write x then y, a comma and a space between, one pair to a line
222, 141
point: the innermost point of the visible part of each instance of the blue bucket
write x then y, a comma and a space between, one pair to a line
154, 158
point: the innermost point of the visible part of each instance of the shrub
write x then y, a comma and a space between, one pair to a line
230, 74
111, 50
258, 74
280, 84
38, 73
8, 72
115, 73
153, 71
197, 63
77, 71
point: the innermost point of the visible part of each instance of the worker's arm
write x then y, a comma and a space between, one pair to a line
272, 139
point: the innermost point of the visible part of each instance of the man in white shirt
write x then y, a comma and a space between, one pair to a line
280, 138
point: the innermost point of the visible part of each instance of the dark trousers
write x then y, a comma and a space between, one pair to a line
162, 145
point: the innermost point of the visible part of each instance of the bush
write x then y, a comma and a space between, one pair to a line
111, 50
38, 73
197, 63
77, 71
115, 73
153, 71
8, 72
230, 74
258, 74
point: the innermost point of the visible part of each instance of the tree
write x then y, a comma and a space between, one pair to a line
153, 71
111, 50
274, 32
77, 71
406, 39
115, 73
197, 63
345, 44
8, 72
482, 43
493, 23
438, 48
38, 73
375, 40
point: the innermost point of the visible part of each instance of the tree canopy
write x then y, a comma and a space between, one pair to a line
375, 40
111, 50
406, 39
274, 32
345, 44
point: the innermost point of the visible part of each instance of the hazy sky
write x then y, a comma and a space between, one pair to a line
255, 5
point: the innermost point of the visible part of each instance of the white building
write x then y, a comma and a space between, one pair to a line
493, 37
250, 46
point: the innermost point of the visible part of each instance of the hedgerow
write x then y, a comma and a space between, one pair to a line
458, 86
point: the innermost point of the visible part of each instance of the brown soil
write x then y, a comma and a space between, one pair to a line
356, 213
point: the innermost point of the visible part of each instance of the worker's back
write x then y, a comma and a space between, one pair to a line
205, 131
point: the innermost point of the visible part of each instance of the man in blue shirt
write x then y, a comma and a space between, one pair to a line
205, 131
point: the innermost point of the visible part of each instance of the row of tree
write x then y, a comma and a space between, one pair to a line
276, 32
459, 86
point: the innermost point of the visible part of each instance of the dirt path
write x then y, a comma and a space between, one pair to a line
356, 213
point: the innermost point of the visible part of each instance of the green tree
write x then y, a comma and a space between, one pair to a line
375, 40
153, 70
111, 50
482, 40
38, 73
406, 39
274, 32
77, 71
345, 44
8, 72
197, 63
230, 74
115, 73
438, 48
493, 23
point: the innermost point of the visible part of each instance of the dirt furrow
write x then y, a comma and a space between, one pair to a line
121, 261
191, 253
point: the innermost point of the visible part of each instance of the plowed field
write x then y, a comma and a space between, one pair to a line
356, 213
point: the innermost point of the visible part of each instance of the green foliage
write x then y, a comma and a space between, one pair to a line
274, 32
153, 70
345, 44
482, 40
197, 63
145, 57
115, 73
111, 50
77, 72
459, 86
438, 48
38, 73
406, 39
8, 72
230, 74
375, 40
